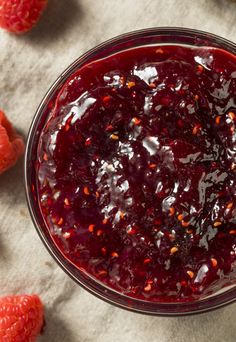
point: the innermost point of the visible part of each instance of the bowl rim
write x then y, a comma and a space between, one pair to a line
169, 309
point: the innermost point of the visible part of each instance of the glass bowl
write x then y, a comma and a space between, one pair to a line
153, 36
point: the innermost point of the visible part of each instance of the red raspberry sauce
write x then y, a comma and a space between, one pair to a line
136, 171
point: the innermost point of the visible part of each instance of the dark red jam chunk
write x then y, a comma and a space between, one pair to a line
136, 171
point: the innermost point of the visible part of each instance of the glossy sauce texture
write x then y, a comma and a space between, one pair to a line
136, 171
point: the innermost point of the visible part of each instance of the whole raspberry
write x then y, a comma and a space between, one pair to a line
11, 144
19, 16
21, 318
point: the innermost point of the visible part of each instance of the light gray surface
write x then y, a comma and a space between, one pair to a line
28, 65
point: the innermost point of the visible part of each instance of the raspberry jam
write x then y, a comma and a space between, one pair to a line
136, 171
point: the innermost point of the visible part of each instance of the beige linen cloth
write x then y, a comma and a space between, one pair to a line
28, 66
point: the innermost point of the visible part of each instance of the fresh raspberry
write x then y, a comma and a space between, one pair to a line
21, 318
19, 16
11, 144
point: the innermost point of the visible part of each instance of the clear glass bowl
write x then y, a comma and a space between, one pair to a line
153, 36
